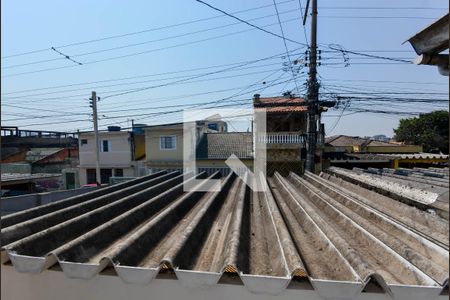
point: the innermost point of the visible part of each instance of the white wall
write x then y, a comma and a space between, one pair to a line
120, 153
54, 285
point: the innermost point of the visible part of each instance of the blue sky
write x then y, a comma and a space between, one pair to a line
35, 25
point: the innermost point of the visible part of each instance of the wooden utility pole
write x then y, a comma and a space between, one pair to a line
93, 103
313, 93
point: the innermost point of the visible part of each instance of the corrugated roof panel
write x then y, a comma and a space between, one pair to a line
337, 234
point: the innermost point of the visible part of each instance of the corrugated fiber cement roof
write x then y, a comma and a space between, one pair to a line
338, 236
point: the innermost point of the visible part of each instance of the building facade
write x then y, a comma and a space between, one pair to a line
116, 156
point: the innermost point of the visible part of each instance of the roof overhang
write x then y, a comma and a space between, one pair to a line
429, 42
433, 39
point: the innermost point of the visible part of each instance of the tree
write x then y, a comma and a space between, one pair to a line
429, 130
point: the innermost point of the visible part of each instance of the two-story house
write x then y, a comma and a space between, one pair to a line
116, 155
285, 132
284, 140
164, 143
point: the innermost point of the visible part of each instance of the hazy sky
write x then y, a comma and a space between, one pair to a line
134, 47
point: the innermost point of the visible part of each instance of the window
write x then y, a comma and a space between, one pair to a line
167, 142
118, 172
106, 146
83, 142
213, 126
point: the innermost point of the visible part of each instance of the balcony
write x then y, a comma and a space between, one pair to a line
284, 140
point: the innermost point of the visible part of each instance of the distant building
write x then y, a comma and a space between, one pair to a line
380, 138
355, 144
164, 144
116, 156
285, 133
352, 151
35, 151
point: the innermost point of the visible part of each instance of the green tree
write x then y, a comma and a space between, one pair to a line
429, 130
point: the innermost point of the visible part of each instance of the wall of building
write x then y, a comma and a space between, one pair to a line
283, 154
15, 168
139, 146
120, 153
18, 203
127, 172
152, 145
394, 149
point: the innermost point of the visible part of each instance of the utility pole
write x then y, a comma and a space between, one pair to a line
313, 93
93, 103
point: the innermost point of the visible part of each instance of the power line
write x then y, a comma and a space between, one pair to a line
367, 55
254, 26
192, 105
143, 76
151, 80
303, 25
385, 81
382, 7
285, 46
377, 17
142, 43
66, 56
143, 52
178, 81
138, 32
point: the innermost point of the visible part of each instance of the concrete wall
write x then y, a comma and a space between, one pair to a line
152, 144
52, 284
127, 172
394, 149
283, 154
139, 146
14, 204
120, 153
16, 168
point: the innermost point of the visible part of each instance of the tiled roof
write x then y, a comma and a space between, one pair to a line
36, 154
280, 104
222, 145
335, 234
345, 140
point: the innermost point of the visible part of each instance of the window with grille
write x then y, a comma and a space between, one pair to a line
167, 142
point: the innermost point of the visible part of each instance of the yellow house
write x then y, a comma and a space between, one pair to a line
164, 145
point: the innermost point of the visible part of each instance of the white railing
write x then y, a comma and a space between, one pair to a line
281, 138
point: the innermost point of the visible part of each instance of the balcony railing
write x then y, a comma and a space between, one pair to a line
281, 138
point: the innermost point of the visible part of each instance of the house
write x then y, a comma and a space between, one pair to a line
355, 144
352, 151
43, 151
285, 132
164, 143
284, 140
116, 155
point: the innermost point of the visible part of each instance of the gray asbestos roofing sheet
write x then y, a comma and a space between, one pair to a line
335, 234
